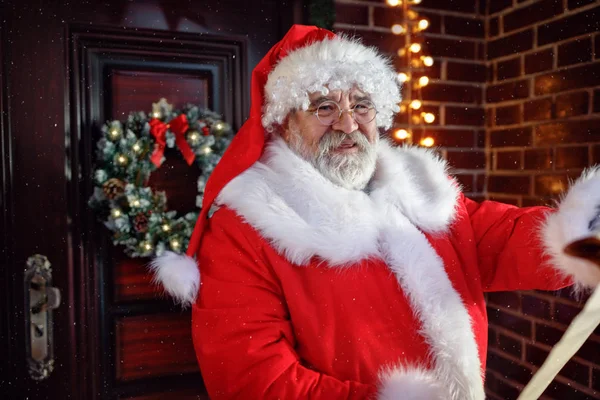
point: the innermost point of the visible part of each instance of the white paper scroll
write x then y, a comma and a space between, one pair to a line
576, 334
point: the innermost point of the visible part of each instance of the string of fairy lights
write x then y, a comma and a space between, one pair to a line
413, 73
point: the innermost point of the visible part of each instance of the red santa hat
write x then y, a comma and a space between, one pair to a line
308, 59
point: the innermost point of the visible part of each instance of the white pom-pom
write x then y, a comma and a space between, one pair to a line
179, 275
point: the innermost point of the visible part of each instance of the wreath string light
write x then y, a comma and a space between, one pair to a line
128, 152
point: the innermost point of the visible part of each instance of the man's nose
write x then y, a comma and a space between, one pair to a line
346, 123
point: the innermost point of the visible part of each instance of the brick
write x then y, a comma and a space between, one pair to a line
538, 159
537, 110
480, 183
547, 335
465, 6
470, 116
466, 159
401, 118
384, 16
435, 21
508, 115
558, 390
481, 51
506, 390
510, 345
535, 355
509, 68
568, 79
587, 21
535, 306
572, 104
597, 47
576, 372
589, 351
511, 137
467, 27
529, 15
575, 52
508, 368
595, 154
573, 4
466, 181
505, 299
596, 108
493, 27
447, 137
571, 157
465, 72
495, 6
507, 91
454, 93
508, 184
439, 47
508, 160
353, 14
539, 61
512, 44
596, 379
386, 42
480, 139
564, 313
492, 337
567, 132
490, 73
550, 185
490, 116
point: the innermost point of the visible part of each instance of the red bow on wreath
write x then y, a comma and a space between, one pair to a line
179, 127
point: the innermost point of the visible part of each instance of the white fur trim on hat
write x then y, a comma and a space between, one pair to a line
331, 64
576, 212
410, 384
179, 275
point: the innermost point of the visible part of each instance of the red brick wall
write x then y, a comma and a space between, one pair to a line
516, 93
542, 100
455, 39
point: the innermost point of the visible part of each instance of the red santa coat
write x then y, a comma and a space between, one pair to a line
313, 291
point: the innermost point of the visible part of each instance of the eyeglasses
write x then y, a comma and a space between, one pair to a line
329, 112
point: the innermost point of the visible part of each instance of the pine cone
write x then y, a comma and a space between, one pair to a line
140, 222
113, 188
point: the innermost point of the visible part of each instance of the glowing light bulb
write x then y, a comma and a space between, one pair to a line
135, 203
121, 159
427, 142
147, 246
427, 61
428, 117
415, 104
175, 244
116, 213
423, 24
114, 133
207, 150
394, 3
403, 77
397, 29
401, 52
415, 47
423, 81
136, 147
156, 114
166, 227
401, 134
416, 1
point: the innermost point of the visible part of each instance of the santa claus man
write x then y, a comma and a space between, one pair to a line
337, 266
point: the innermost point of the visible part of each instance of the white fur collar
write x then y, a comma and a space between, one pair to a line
305, 215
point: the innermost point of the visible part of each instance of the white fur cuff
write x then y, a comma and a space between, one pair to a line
571, 222
179, 275
410, 384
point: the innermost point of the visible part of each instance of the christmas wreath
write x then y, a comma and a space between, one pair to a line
128, 152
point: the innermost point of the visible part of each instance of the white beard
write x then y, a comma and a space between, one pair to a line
351, 171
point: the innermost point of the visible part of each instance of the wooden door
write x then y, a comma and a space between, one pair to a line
66, 70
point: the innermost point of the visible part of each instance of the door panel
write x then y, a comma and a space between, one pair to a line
66, 69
